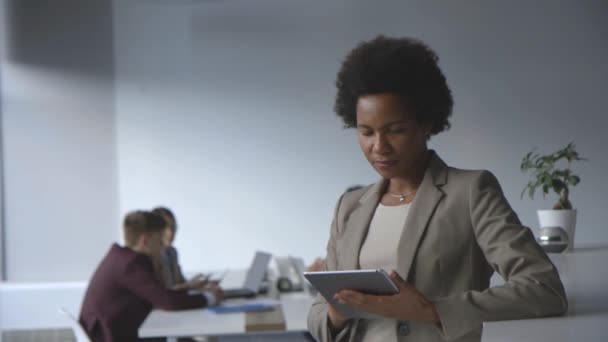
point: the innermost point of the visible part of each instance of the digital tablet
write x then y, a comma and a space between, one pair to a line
328, 283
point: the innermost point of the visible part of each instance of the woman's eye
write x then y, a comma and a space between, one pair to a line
396, 130
365, 132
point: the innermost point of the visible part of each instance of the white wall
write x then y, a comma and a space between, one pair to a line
60, 171
224, 109
223, 112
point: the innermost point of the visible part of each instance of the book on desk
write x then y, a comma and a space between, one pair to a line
273, 320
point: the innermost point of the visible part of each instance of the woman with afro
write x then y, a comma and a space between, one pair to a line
440, 232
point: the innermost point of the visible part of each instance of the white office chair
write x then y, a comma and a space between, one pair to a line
81, 335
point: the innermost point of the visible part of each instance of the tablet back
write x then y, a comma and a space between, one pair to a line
328, 283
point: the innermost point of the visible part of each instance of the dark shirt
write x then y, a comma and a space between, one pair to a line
168, 274
121, 294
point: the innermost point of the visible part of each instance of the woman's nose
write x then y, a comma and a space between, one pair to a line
381, 145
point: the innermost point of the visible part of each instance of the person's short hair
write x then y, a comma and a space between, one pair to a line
402, 66
141, 222
167, 214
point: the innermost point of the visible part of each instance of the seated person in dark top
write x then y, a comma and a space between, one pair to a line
124, 288
167, 266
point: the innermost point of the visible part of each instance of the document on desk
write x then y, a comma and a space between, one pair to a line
245, 306
273, 320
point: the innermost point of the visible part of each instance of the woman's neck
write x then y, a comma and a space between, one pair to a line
409, 182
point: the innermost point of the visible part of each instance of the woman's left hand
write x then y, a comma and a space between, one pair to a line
408, 305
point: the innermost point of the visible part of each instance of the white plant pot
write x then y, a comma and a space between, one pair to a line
566, 219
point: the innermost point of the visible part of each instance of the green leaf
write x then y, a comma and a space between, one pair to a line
574, 180
545, 172
531, 192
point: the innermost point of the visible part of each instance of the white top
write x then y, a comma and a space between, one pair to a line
379, 250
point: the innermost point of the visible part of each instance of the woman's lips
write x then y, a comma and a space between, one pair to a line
385, 164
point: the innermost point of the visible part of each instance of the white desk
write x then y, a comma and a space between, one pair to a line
584, 273
585, 276
201, 322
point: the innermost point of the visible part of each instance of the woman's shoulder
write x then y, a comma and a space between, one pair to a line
470, 177
352, 197
443, 173
171, 252
465, 173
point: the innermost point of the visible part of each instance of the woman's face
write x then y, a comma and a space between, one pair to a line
168, 236
389, 135
169, 232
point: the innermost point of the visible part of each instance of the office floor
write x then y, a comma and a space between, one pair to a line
54, 335
66, 335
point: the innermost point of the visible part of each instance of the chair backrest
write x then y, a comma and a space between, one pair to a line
81, 335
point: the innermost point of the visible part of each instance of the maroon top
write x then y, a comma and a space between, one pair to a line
122, 293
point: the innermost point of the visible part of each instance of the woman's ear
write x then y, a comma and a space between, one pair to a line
427, 131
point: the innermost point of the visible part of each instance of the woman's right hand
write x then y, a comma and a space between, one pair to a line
336, 319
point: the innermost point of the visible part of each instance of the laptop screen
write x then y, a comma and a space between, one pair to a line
255, 274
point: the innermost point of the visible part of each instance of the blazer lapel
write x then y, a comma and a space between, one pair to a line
427, 198
358, 226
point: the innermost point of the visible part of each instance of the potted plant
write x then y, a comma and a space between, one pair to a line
548, 176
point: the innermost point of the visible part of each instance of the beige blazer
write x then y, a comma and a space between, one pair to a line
460, 229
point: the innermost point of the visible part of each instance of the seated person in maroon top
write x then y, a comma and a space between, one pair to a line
124, 288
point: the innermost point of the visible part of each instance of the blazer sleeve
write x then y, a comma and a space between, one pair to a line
140, 279
318, 318
532, 285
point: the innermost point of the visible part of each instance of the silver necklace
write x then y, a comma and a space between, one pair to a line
401, 197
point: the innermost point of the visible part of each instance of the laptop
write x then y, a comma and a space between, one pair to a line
254, 278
